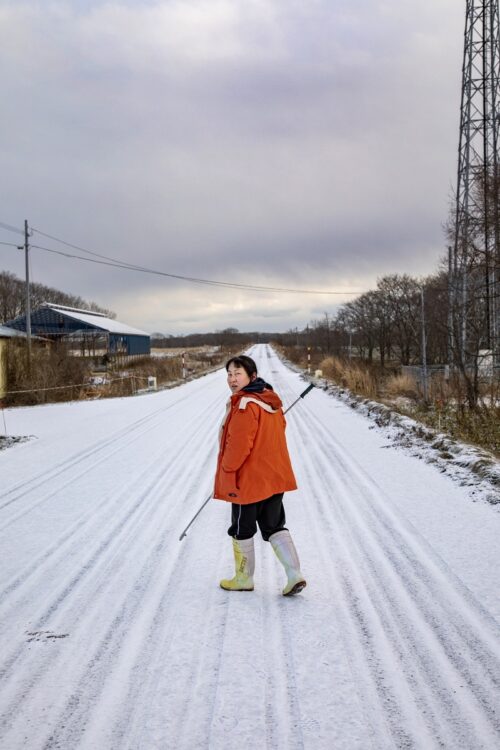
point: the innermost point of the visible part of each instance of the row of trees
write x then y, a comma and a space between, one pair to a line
13, 298
385, 323
227, 337
409, 321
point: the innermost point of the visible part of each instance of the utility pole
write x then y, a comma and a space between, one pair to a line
449, 343
28, 301
327, 321
424, 348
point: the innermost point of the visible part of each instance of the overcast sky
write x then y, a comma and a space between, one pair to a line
294, 143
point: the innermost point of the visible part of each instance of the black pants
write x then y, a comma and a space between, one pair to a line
268, 514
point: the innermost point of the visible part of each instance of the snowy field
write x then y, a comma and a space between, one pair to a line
115, 636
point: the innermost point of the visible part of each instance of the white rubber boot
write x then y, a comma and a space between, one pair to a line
244, 564
282, 544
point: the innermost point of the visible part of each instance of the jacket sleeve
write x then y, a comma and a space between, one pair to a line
240, 437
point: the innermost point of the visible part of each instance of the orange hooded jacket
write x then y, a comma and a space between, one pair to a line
253, 461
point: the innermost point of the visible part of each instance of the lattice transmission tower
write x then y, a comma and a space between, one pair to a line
475, 257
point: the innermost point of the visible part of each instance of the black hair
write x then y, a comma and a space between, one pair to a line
245, 362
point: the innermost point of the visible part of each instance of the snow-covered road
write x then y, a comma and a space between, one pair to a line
115, 636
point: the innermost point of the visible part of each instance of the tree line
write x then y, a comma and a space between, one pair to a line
412, 321
227, 337
13, 298
385, 323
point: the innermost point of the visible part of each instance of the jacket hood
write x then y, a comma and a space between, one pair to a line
267, 395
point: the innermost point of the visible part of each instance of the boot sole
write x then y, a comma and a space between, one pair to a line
296, 589
225, 589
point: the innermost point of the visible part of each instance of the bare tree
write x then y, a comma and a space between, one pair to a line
13, 298
401, 294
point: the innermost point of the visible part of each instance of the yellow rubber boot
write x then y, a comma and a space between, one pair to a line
282, 544
244, 564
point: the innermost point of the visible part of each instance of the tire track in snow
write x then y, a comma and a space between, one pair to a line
378, 682
103, 653
463, 613
256, 677
196, 664
347, 626
90, 522
121, 658
283, 727
338, 618
376, 606
119, 440
348, 667
159, 620
82, 473
367, 657
426, 616
49, 474
112, 541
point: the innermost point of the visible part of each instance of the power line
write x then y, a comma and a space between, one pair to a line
10, 228
110, 261
206, 282
114, 262
229, 285
75, 247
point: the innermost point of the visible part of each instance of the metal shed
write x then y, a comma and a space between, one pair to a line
88, 330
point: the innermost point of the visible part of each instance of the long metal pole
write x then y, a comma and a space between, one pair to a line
424, 347
28, 301
494, 85
451, 308
304, 393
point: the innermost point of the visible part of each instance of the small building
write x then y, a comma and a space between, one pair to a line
86, 331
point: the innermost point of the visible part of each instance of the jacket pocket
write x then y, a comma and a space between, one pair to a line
229, 485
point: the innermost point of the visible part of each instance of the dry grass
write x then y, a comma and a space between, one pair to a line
50, 369
446, 409
357, 378
56, 376
480, 427
164, 369
401, 385
169, 368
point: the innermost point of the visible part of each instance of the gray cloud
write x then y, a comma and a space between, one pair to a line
251, 140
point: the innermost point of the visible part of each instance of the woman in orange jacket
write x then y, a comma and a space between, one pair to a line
253, 473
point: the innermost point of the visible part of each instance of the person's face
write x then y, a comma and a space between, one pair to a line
236, 378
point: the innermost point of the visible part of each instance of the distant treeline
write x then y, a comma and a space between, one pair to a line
385, 324
13, 298
227, 337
